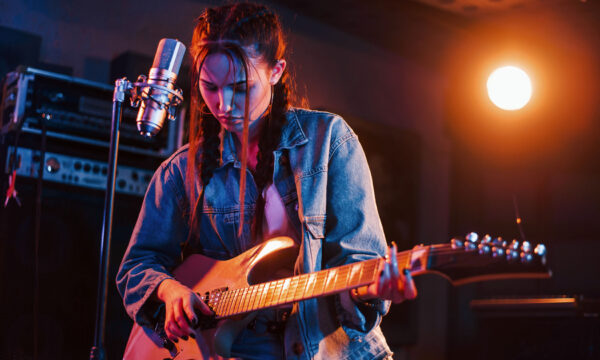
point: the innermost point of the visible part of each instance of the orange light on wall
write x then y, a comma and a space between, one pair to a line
509, 88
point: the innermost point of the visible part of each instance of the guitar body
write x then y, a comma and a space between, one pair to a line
202, 274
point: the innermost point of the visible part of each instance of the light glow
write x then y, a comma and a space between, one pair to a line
509, 88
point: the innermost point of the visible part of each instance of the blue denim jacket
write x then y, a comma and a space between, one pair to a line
322, 175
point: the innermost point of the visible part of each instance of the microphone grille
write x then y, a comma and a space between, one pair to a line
169, 55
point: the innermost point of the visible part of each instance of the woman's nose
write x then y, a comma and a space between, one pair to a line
225, 101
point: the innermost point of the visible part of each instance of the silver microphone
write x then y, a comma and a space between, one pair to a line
158, 95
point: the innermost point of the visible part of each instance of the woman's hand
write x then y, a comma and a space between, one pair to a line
393, 284
180, 302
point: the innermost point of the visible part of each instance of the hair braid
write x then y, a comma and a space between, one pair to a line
210, 147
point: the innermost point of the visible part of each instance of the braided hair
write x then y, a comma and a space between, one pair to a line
229, 30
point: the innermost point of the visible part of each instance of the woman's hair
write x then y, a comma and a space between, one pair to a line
231, 30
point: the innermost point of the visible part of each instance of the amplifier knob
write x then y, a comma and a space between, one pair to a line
52, 165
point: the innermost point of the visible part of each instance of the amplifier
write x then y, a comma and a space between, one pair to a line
76, 110
77, 171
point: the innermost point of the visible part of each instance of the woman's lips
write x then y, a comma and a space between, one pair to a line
231, 120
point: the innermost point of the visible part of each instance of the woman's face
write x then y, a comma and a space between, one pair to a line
223, 88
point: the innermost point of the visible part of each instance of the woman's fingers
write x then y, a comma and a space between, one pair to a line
170, 330
410, 289
179, 325
394, 284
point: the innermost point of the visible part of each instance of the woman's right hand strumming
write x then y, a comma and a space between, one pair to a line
180, 302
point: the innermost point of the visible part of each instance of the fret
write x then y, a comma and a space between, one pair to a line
251, 297
256, 302
301, 288
268, 293
245, 299
230, 303
310, 286
355, 272
263, 295
236, 301
330, 280
371, 270
292, 289
284, 291
219, 304
319, 283
227, 303
239, 301
341, 280
256, 295
275, 293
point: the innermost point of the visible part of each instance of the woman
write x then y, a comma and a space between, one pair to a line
298, 173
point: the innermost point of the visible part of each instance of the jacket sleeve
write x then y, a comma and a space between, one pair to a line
155, 245
354, 230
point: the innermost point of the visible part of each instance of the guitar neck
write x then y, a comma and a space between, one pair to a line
460, 264
275, 293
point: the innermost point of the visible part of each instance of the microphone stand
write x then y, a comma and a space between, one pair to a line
121, 87
137, 95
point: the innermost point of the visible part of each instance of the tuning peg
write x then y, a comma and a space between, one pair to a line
472, 237
511, 254
526, 257
486, 239
484, 248
499, 242
470, 246
526, 247
540, 250
456, 243
497, 251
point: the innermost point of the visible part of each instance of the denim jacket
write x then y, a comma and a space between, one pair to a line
322, 176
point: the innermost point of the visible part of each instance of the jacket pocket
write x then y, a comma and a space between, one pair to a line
315, 226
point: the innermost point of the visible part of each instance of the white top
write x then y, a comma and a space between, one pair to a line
276, 221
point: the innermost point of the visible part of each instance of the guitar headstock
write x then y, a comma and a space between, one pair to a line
472, 259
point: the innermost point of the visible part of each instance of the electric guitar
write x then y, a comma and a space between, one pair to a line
236, 288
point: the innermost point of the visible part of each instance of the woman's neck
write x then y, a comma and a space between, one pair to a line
252, 149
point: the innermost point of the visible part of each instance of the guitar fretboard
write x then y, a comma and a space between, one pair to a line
292, 289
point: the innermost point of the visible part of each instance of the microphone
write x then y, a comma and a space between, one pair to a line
158, 94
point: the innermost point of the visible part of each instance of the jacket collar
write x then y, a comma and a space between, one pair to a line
291, 135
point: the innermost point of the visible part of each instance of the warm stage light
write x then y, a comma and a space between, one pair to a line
509, 88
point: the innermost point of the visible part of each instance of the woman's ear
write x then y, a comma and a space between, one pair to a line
277, 71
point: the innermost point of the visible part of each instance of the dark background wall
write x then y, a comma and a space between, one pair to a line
410, 73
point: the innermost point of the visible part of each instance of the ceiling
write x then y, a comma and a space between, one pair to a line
421, 29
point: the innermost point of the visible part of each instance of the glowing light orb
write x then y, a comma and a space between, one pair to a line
509, 88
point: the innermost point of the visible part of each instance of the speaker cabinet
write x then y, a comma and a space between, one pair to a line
67, 266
